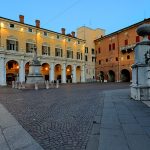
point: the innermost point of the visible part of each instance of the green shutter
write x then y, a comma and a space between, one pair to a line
42, 50
72, 54
49, 51
61, 53
27, 47
7, 43
16, 45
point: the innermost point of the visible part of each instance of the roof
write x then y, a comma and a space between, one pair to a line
39, 28
123, 29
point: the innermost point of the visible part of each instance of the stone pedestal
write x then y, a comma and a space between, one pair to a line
140, 87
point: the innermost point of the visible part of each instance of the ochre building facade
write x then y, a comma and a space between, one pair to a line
61, 54
115, 54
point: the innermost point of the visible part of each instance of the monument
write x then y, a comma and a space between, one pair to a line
34, 75
140, 87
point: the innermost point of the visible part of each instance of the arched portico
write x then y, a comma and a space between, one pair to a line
58, 75
45, 70
12, 71
125, 75
111, 76
78, 74
69, 74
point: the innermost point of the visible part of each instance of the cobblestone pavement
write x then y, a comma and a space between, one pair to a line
58, 119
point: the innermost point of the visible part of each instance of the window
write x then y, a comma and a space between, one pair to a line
45, 50
99, 50
106, 60
30, 47
116, 58
113, 46
93, 59
78, 55
58, 37
137, 39
126, 42
128, 56
45, 34
99, 62
58, 52
78, 42
86, 49
30, 30
12, 45
86, 58
69, 39
93, 51
12, 25
109, 47
69, 54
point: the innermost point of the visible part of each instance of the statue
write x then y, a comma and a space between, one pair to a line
147, 57
35, 60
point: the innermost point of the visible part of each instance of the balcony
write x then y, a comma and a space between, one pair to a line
127, 48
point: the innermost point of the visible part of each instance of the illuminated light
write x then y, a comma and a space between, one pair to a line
17, 67
75, 43
46, 68
68, 69
64, 40
2, 24
121, 58
21, 29
38, 33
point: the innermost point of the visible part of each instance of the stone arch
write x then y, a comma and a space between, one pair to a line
57, 72
69, 73
45, 70
111, 76
125, 75
12, 71
78, 73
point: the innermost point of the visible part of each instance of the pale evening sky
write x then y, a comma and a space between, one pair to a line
110, 15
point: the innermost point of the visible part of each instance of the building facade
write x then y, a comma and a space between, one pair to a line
89, 35
61, 55
115, 55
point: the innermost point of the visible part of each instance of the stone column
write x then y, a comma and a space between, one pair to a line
83, 73
2, 71
63, 74
51, 72
22, 71
74, 80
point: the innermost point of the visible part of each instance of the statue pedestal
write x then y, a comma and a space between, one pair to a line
140, 87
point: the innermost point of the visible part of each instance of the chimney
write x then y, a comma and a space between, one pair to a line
21, 18
73, 34
37, 22
63, 31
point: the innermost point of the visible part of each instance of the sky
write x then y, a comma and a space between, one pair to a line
111, 15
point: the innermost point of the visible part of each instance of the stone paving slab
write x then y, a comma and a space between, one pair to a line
126, 124
12, 134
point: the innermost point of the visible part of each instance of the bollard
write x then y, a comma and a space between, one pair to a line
13, 84
19, 85
16, 84
52, 84
57, 84
47, 84
36, 86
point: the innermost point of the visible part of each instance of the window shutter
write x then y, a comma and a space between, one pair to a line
72, 54
34, 48
61, 53
49, 51
16, 45
27, 47
81, 56
55, 51
7, 43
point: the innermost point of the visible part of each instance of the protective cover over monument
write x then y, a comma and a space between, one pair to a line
140, 87
34, 75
